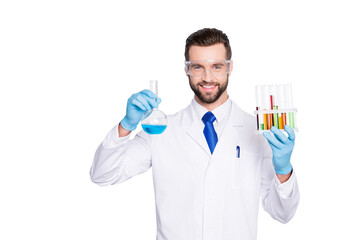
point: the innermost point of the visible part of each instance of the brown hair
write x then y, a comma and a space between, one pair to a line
207, 37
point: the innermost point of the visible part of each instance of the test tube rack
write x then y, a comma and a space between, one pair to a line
274, 107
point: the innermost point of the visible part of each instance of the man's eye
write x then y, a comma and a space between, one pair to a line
196, 67
218, 67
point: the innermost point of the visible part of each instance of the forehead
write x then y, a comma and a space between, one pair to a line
216, 51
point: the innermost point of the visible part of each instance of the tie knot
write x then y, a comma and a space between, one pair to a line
208, 117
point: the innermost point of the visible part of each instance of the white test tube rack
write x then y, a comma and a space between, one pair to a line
274, 107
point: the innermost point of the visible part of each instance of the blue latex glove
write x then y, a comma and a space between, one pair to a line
282, 147
137, 105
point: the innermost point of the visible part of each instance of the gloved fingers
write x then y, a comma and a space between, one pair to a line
273, 148
290, 131
153, 102
138, 104
279, 135
142, 98
272, 140
149, 93
151, 96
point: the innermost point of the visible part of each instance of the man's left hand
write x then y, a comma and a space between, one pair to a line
282, 147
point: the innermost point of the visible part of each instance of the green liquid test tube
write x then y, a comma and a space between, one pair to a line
259, 106
291, 119
276, 118
291, 114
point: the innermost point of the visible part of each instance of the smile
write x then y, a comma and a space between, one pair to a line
208, 88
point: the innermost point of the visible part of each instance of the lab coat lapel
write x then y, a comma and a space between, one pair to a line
194, 129
233, 132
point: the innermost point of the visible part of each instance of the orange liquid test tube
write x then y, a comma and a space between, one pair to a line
269, 121
284, 119
269, 106
281, 124
265, 122
282, 116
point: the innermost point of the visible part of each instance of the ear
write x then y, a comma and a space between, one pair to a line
186, 72
231, 67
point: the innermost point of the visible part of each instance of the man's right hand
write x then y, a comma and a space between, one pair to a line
137, 105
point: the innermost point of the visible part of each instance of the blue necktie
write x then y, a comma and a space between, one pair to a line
209, 131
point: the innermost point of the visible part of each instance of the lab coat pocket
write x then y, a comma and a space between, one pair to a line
246, 171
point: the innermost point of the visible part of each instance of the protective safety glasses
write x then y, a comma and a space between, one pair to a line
218, 68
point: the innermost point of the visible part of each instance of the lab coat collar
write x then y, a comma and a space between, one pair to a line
191, 114
220, 112
194, 127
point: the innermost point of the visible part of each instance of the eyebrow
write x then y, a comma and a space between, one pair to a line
196, 64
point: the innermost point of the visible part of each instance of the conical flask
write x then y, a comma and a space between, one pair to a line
154, 121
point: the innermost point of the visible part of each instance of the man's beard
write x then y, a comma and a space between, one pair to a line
209, 97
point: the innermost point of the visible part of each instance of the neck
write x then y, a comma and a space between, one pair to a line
217, 103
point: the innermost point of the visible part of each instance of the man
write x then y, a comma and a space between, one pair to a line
209, 166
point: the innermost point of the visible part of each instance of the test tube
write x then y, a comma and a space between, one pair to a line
263, 105
274, 117
280, 97
154, 87
291, 114
275, 106
287, 103
258, 107
269, 106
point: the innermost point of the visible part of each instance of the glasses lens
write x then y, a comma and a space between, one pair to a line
196, 69
217, 68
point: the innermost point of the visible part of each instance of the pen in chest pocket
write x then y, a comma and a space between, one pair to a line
238, 151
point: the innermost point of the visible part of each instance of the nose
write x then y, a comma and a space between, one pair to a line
207, 75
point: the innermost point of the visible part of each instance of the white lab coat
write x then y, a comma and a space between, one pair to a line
200, 196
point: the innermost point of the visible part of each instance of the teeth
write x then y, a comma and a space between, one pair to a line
209, 86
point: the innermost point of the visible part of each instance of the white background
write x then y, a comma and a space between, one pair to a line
67, 69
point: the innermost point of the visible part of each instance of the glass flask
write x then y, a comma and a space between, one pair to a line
154, 121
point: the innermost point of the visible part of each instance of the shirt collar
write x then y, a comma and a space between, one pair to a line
220, 112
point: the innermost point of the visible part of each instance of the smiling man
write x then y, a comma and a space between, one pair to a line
208, 72
210, 169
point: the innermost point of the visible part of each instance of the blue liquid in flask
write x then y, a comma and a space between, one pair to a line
153, 129
154, 121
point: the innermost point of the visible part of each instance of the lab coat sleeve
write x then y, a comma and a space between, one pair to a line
119, 158
279, 200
